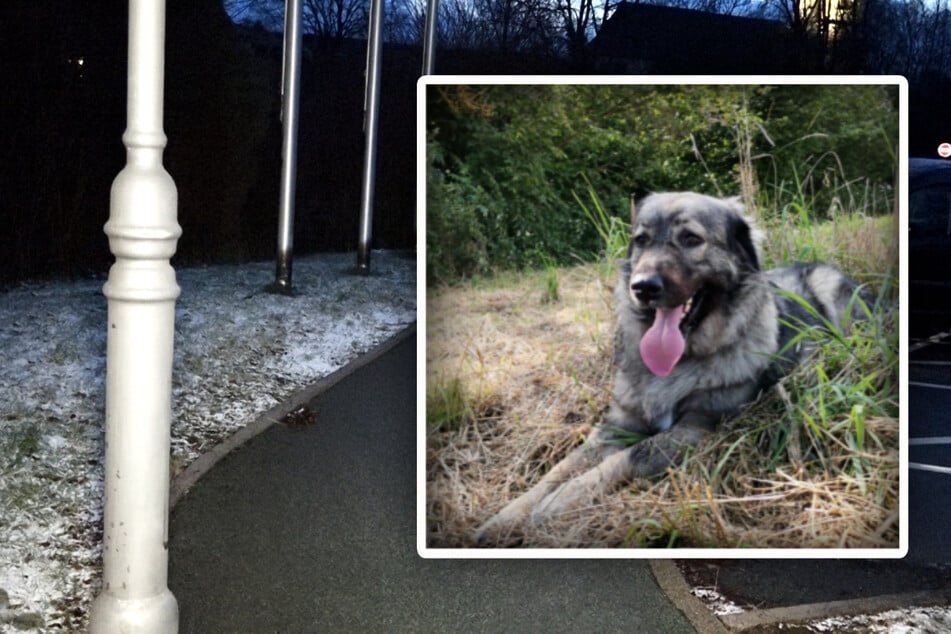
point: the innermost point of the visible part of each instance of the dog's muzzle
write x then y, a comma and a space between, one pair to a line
647, 288
664, 342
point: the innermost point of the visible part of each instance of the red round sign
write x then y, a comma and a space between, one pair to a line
944, 150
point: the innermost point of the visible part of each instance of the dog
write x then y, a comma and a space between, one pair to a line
702, 330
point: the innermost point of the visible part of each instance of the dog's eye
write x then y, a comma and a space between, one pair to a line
641, 239
690, 239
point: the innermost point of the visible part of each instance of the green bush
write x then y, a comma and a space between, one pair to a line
456, 244
508, 164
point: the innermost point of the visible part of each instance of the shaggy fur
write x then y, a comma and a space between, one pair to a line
701, 332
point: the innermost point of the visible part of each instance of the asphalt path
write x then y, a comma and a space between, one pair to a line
311, 528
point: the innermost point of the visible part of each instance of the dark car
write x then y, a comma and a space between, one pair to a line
929, 246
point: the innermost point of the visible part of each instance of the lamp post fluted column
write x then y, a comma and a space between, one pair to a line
141, 291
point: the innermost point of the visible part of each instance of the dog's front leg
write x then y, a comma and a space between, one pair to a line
648, 458
500, 527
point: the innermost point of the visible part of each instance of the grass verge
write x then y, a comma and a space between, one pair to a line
514, 382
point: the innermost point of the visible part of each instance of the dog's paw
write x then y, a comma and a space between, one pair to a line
500, 530
484, 535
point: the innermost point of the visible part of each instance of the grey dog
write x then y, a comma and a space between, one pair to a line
701, 331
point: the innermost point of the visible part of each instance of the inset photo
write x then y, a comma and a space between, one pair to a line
662, 317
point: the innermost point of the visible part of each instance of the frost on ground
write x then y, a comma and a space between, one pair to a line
238, 351
716, 602
905, 621
910, 620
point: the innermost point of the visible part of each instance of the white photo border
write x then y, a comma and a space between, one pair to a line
428, 552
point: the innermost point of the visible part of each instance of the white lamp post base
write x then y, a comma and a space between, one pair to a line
157, 614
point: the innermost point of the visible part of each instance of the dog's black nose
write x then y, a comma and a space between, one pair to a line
647, 287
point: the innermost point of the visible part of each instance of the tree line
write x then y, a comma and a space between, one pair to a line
909, 37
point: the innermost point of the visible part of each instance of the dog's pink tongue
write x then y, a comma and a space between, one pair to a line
663, 344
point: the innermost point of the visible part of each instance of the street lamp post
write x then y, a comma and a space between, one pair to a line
141, 291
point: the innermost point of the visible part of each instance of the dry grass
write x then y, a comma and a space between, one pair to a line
514, 382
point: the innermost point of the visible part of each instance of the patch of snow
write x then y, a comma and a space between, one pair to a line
904, 621
910, 620
716, 602
238, 351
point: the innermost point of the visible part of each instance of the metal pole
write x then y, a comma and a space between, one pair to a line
429, 38
290, 100
429, 51
141, 291
370, 125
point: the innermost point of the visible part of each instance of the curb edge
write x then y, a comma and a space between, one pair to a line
675, 587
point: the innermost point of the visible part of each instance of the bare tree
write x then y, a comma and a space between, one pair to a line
580, 20
505, 25
336, 18
458, 24
912, 37
327, 18
722, 7
517, 25
404, 21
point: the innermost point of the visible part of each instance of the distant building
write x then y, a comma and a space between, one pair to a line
646, 38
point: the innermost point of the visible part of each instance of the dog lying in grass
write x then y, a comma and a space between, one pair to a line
702, 331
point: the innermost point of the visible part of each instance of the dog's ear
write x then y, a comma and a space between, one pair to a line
633, 210
743, 240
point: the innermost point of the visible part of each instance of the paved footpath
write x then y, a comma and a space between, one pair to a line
312, 529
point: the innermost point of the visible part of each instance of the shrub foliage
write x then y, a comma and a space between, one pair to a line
506, 164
